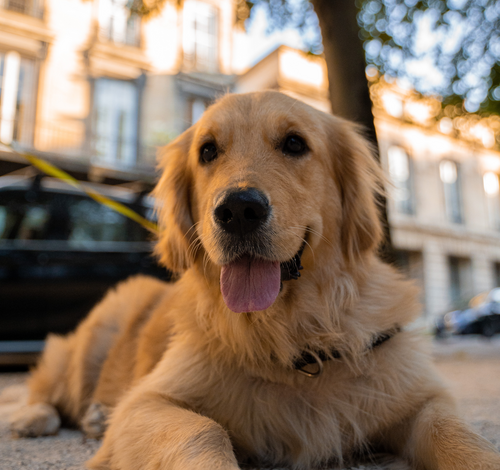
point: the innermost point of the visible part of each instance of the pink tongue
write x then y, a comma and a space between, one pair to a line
250, 284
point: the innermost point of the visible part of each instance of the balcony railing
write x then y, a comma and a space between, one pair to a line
122, 31
72, 141
25, 7
68, 140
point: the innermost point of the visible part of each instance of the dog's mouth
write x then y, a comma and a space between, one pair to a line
250, 284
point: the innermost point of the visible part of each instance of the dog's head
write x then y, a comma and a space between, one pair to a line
258, 179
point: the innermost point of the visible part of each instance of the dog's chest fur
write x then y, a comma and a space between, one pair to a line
298, 421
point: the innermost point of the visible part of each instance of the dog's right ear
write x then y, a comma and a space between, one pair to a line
172, 194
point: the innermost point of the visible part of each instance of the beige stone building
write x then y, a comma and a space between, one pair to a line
292, 72
444, 205
97, 90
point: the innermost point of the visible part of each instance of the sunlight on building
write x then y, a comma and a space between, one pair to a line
446, 125
448, 172
416, 139
398, 163
296, 67
483, 134
418, 111
9, 88
490, 183
392, 104
161, 30
440, 145
490, 163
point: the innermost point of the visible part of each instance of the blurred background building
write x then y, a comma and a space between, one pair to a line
96, 91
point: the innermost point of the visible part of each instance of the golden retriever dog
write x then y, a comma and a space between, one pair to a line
283, 342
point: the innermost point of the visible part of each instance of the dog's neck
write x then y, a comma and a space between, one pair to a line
328, 307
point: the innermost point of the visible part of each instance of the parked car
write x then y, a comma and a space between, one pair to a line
482, 317
59, 253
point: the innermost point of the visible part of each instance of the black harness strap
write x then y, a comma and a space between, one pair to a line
307, 358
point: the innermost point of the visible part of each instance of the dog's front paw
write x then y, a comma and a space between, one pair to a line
95, 420
35, 420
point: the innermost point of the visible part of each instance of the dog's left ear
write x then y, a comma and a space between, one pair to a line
173, 204
361, 183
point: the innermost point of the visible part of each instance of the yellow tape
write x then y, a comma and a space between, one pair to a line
52, 170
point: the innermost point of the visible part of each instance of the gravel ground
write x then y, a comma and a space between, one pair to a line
470, 365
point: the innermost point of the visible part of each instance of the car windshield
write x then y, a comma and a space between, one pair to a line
44, 215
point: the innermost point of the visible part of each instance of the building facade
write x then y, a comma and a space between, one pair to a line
444, 204
89, 86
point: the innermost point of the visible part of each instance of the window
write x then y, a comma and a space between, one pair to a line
496, 267
115, 122
197, 107
17, 98
491, 186
496, 273
450, 177
25, 7
200, 39
117, 24
460, 280
401, 172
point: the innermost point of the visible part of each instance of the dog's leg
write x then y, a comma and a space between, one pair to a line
120, 369
67, 373
115, 378
150, 431
46, 389
94, 420
436, 439
39, 419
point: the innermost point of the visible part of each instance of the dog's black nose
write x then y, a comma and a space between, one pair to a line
242, 211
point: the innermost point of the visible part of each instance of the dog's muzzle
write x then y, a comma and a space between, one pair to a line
250, 280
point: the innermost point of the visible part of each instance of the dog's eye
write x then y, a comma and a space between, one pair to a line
295, 146
208, 152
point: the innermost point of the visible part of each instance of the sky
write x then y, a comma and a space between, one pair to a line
259, 42
423, 72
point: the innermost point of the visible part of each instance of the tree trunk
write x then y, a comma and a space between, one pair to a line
349, 94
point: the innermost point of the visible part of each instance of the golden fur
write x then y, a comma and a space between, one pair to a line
193, 385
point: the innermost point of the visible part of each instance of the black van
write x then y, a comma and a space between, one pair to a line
59, 253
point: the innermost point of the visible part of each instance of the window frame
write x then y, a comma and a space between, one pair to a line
190, 37
408, 208
94, 137
453, 216
109, 13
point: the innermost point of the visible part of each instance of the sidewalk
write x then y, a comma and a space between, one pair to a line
470, 365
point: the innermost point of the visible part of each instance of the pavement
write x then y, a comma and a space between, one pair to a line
471, 366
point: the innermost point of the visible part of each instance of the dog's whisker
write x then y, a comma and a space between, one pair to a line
305, 242
194, 242
194, 247
205, 264
206, 260
315, 232
193, 228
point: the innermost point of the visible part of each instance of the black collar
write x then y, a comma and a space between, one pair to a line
317, 357
291, 269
